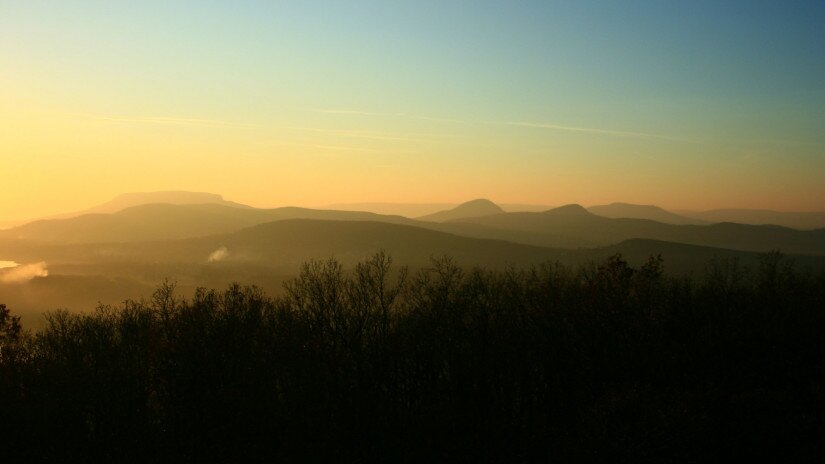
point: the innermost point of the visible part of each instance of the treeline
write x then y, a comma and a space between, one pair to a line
603, 363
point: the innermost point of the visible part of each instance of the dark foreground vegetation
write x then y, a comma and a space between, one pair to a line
606, 363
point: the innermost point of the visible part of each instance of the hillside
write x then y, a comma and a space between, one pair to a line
794, 220
169, 222
474, 208
409, 210
569, 226
285, 243
651, 212
587, 229
82, 274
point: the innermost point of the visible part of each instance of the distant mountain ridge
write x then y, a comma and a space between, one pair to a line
172, 197
590, 230
652, 212
417, 210
473, 208
795, 220
570, 226
132, 199
163, 221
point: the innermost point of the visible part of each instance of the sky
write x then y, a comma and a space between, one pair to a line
687, 105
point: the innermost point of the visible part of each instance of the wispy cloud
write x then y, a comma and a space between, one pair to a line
528, 124
337, 111
592, 130
338, 148
397, 115
341, 148
164, 120
371, 135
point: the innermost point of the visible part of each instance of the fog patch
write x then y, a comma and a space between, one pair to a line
218, 255
24, 273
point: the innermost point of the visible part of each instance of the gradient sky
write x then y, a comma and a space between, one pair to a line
688, 105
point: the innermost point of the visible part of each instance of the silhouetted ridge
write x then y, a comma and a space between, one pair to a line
795, 220
474, 208
649, 212
569, 210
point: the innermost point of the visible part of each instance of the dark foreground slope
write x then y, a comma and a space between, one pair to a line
610, 363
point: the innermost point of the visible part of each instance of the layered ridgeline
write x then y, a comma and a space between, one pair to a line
795, 220
570, 226
586, 229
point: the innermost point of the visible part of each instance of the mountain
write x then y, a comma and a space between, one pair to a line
474, 208
794, 220
129, 200
589, 230
409, 210
651, 212
570, 226
289, 242
417, 210
294, 241
80, 275
168, 222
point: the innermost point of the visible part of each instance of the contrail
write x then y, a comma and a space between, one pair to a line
164, 120
591, 130
536, 125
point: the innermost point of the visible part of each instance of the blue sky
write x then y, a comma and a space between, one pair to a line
582, 88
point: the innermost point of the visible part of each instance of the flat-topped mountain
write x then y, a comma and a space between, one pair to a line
172, 197
651, 212
130, 200
474, 208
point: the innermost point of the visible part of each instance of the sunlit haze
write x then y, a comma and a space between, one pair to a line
687, 105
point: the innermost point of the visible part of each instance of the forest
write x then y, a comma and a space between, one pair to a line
604, 362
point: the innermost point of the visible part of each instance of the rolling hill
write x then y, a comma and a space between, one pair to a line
651, 212
82, 274
589, 230
286, 243
569, 226
794, 220
473, 208
168, 222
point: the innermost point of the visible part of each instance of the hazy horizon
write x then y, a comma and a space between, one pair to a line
407, 209
688, 106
